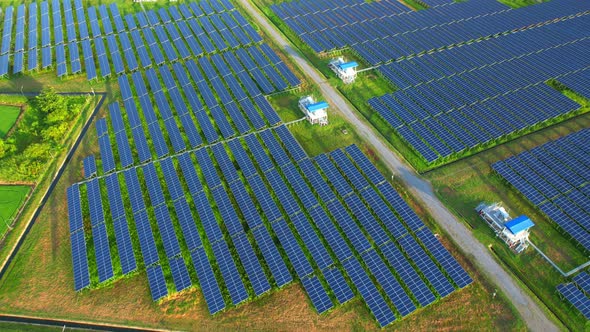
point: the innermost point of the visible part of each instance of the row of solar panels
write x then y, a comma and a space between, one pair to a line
578, 82
233, 116
463, 111
435, 66
228, 29
294, 212
324, 32
485, 26
578, 293
555, 178
361, 9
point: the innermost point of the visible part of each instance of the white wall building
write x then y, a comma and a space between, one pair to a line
315, 112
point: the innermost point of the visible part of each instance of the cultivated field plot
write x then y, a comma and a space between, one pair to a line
8, 117
555, 177
11, 198
464, 69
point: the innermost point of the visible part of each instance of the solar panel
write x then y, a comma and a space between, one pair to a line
276, 150
251, 264
252, 113
89, 166
330, 233
124, 246
79, 261
576, 298
282, 192
318, 184
426, 265
227, 167
153, 184
316, 292
106, 154
383, 213
143, 152
174, 135
74, 208
292, 249
32, 59
242, 158
62, 67
189, 173
208, 169
172, 180
369, 292
444, 258
207, 281
157, 282
337, 180
207, 217
268, 205
293, 147
338, 285
349, 227
220, 118
267, 110
187, 225
311, 240
95, 203
364, 164
179, 273
258, 152
237, 117
387, 281
583, 281
102, 252
230, 273
158, 139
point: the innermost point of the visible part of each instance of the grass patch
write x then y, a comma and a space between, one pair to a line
8, 116
11, 198
463, 184
521, 3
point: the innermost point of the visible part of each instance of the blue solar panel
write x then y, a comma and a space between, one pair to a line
330, 233
311, 240
409, 217
89, 166
237, 117
95, 203
272, 257
158, 139
426, 265
316, 292
350, 228
230, 273
387, 281
210, 133
32, 59
270, 114
79, 261
74, 208
242, 158
227, 167
282, 192
364, 164
293, 147
292, 249
276, 150
207, 281
102, 252
337, 180
157, 282
187, 224
189, 173
252, 113
179, 273
583, 281
444, 258
269, 207
106, 154
369, 292
251, 264
383, 213
207, 217
143, 151
350, 172
172, 180
174, 135
258, 152
124, 149
221, 120
124, 246
62, 67
299, 186
338, 285
576, 298
206, 164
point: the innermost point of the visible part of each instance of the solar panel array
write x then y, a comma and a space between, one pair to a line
555, 177
195, 32
578, 293
321, 244
454, 99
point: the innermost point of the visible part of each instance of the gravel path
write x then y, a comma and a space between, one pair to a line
532, 314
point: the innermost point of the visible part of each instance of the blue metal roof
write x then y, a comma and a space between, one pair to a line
347, 65
317, 106
519, 224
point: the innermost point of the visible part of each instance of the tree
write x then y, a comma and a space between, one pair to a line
6, 148
52, 106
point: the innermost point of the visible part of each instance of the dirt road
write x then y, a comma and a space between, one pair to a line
532, 314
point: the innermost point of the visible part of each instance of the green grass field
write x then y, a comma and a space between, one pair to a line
8, 116
11, 198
